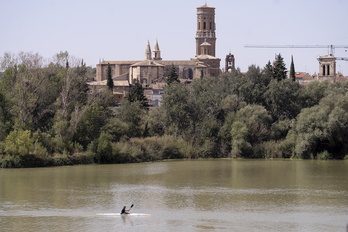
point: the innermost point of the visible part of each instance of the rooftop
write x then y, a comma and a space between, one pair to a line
206, 6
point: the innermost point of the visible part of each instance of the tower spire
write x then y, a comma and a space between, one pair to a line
148, 52
156, 52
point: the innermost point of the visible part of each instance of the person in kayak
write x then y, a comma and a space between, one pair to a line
125, 211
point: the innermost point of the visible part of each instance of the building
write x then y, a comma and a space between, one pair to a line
154, 69
327, 68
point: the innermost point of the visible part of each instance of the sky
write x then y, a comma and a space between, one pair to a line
119, 29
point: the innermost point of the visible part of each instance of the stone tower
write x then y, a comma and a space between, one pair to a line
327, 68
229, 63
148, 52
205, 29
156, 52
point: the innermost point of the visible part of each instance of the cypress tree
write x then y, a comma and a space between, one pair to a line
292, 70
110, 82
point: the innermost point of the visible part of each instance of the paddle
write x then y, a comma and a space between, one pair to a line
131, 207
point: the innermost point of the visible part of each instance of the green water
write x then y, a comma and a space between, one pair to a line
198, 195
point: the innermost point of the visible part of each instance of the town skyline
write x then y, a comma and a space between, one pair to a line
118, 30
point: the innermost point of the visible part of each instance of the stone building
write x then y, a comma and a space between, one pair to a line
327, 68
153, 69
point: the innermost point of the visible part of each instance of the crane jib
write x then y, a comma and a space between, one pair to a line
331, 47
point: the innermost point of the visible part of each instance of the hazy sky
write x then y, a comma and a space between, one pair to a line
119, 30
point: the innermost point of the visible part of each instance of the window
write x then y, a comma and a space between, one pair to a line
204, 25
328, 70
324, 70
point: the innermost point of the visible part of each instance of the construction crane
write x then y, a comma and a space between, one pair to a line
342, 58
331, 48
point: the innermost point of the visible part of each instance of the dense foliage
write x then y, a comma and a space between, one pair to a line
48, 117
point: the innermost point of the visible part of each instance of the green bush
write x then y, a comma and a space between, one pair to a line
8, 161
325, 155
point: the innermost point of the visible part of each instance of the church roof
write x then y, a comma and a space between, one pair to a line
129, 62
193, 62
103, 83
147, 63
206, 57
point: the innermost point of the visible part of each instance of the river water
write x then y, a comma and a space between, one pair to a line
197, 195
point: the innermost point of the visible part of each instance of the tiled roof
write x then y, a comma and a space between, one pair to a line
129, 62
147, 63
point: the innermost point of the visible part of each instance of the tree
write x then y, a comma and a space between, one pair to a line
279, 69
172, 76
268, 70
110, 82
292, 70
178, 109
136, 94
251, 127
5, 117
132, 114
283, 99
323, 127
88, 123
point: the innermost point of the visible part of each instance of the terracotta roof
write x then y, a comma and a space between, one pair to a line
300, 75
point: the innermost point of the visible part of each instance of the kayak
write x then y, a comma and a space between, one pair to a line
118, 214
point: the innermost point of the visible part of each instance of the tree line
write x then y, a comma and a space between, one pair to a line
49, 117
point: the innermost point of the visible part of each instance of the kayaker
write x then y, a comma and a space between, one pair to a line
125, 211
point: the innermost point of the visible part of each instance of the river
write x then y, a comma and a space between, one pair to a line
195, 195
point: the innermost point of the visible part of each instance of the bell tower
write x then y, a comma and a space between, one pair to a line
205, 29
327, 68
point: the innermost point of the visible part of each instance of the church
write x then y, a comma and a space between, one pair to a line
152, 71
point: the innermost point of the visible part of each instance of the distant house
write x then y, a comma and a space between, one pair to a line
304, 78
340, 77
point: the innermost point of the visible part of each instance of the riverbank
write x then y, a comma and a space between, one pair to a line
104, 152
135, 150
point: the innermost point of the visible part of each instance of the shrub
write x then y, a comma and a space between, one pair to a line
325, 155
